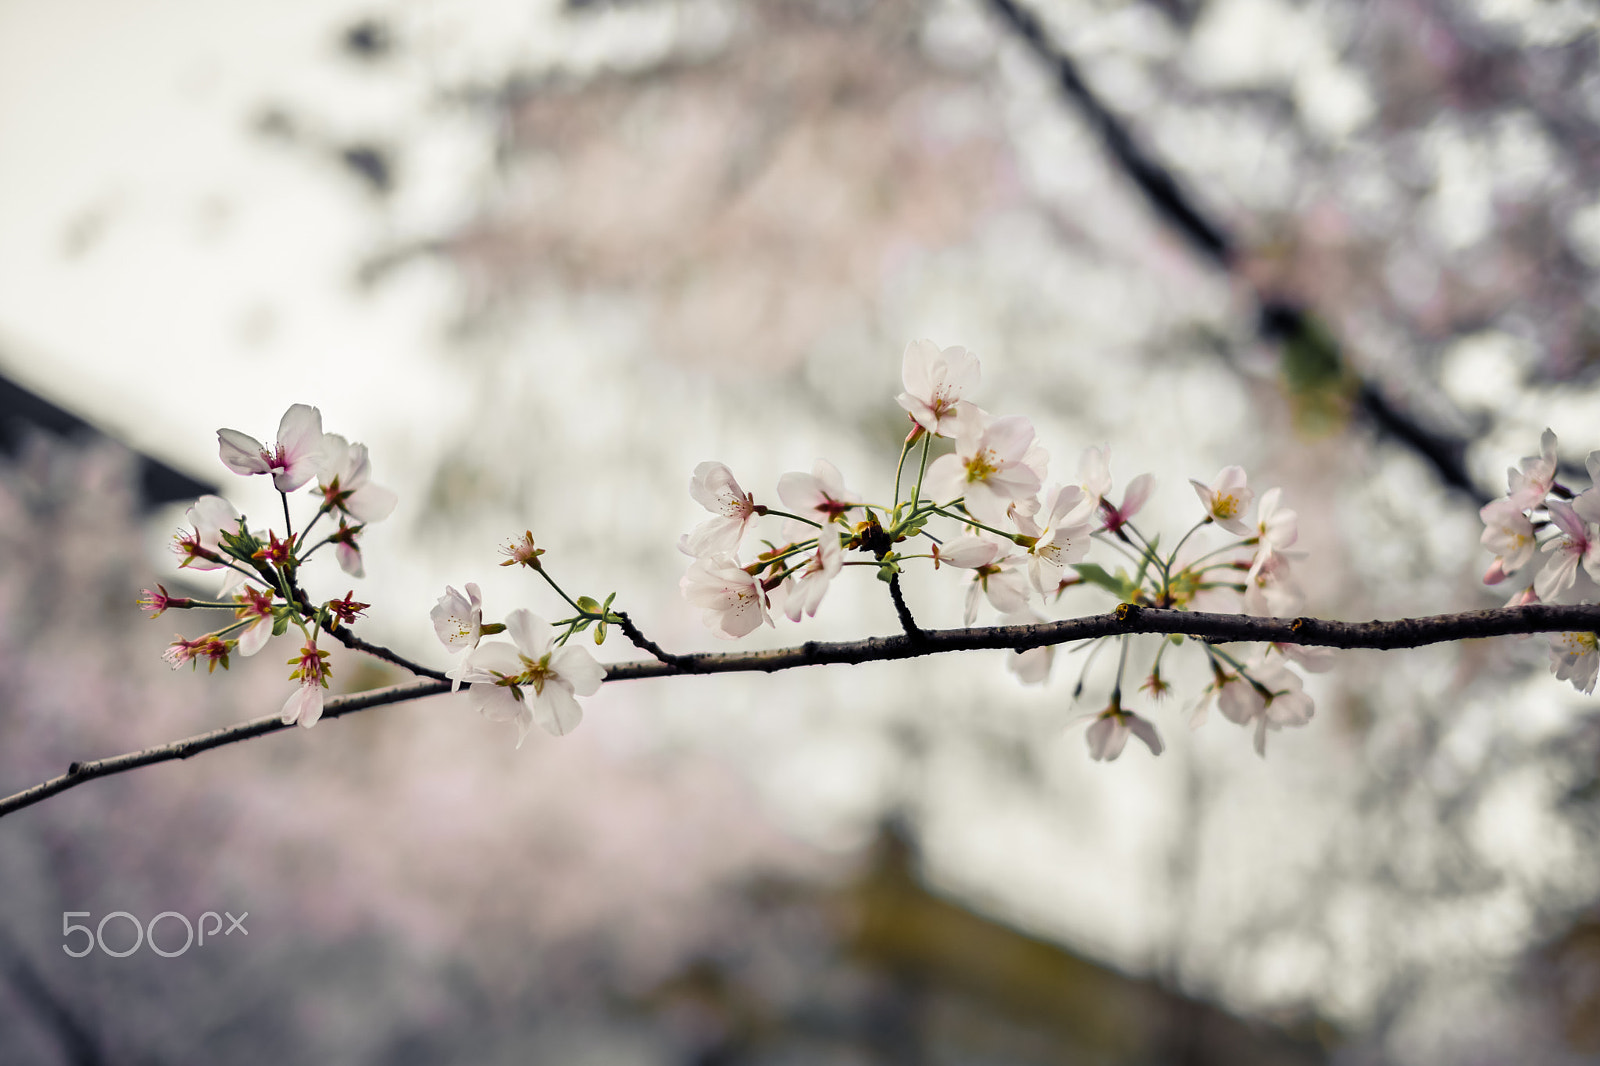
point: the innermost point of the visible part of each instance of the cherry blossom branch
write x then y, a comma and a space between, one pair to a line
1127, 618
642, 642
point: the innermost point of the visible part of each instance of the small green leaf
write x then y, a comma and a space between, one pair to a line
1118, 586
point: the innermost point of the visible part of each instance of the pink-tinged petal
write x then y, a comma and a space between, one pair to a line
1559, 574
970, 613
1562, 514
1007, 591
371, 503
916, 367
574, 665
497, 703
242, 453
300, 430
1139, 490
349, 557
531, 633
1145, 731
489, 661
1587, 505
1106, 737
1239, 701
555, 711
969, 552
1011, 437
255, 636
711, 485
1094, 472
304, 706
1032, 666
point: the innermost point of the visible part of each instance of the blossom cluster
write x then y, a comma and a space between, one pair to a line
1022, 540
1537, 505
261, 583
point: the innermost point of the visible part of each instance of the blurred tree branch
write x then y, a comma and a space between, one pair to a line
1295, 328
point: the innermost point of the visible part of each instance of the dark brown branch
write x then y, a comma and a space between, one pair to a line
644, 643
1400, 633
907, 623
343, 635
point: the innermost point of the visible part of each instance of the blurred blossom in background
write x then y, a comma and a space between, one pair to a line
545, 259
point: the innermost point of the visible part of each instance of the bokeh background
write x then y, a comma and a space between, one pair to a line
543, 258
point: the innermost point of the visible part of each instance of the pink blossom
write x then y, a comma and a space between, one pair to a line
1567, 551
1531, 483
255, 605
531, 680
1268, 695
1109, 732
1509, 534
987, 469
803, 593
713, 487
312, 671
292, 463
935, 382
201, 547
731, 599
819, 495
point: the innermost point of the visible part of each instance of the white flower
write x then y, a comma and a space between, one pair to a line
1227, 499
458, 623
988, 468
346, 475
209, 516
1031, 665
819, 495
530, 681
1575, 657
1567, 551
1509, 534
311, 669
1108, 734
292, 463
1531, 483
935, 383
803, 593
1278, 703
1064, 539
732, 600
1277, 528
714, 488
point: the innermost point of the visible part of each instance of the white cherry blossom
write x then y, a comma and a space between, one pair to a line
714, 487
1576, 545
530, 681
732, 601
209, 516
1575, 657
1531, 482
345, 475
1108, 733
803, 591
819, 495
1284, 703
987, 469
1509, 534
936, 382
458, 623
292, 463
1227, 499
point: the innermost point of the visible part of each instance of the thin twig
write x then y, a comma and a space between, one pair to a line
1316, 632
1281, 321
907, 623
644, 643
